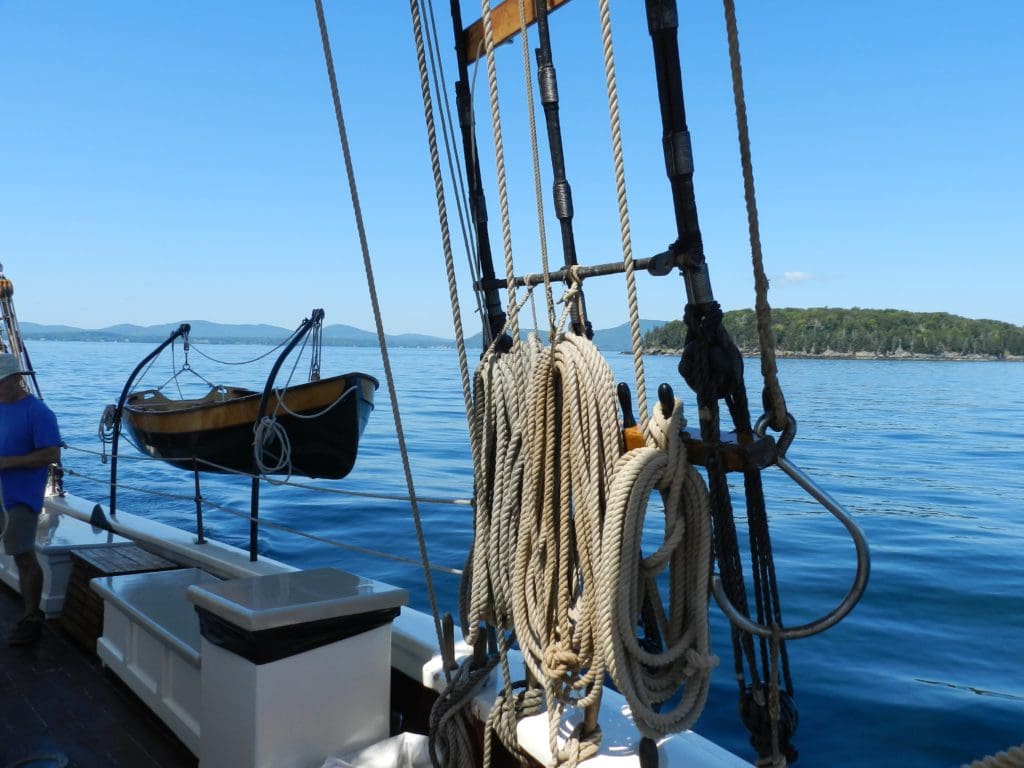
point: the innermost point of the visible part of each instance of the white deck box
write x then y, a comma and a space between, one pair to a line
296, 667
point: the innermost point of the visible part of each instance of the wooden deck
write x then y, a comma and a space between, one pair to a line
55, 698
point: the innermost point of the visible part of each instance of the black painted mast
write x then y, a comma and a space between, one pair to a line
494, 325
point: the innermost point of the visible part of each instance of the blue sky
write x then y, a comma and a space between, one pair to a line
171, 161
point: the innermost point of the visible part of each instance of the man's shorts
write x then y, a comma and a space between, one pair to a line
19, 524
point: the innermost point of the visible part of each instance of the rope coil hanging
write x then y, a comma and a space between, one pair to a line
648, 679
549, 454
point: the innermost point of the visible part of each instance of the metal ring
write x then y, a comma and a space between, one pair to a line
845, 606
788, 431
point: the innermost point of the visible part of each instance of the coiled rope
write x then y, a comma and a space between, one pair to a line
1010, 758
571, 440
648, 679
270, 438
498, 408
545, 463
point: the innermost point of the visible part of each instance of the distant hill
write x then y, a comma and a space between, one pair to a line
610, 339
819, 332
220, 333
615, 339
830, 332
619, 338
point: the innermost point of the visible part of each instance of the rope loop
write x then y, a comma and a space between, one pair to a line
574, 285
508, 709
649, 674
664, 433
271, 439
450, 726
106, 429
578, 747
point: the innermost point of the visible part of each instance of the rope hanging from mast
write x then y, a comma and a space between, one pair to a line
559, 503
544, 488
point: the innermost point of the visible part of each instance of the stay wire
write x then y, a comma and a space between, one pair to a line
142, 456
456, 165
264, 522
371, 284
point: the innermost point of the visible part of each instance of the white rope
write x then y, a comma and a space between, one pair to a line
268, 432
648, 679
500, 172
498, 470
283, 406
619, 164
571, 450
577, 583
422, 44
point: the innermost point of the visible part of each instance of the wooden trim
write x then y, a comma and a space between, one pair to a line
504, 24
201, 415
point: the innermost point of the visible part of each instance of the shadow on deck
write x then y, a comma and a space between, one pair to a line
56, 698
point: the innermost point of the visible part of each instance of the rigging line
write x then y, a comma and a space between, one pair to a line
200, 352
292, 484
535, 154
295, 366
186, 367
267, 523
624, 225
499, 161
774, 401
456, 169
149, 367
442, 209
762, 561
174, 377
371, 285
282, 406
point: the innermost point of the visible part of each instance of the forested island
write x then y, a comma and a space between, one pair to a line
870, 333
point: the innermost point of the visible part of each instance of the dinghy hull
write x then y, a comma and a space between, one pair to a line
322, 422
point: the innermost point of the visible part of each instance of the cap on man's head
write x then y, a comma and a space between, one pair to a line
9, 366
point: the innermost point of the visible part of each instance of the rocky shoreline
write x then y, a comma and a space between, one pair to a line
829, 354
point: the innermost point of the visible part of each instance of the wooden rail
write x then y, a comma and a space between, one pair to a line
504, 24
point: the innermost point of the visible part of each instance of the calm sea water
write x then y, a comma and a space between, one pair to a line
927, 671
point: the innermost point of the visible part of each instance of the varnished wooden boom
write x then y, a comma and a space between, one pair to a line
504, 24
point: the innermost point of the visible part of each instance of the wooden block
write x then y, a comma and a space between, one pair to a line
82, 615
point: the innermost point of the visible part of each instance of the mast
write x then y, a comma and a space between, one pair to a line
712, 366
494, 324
561, 190
15, 344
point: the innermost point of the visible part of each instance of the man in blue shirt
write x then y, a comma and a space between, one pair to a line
29, 444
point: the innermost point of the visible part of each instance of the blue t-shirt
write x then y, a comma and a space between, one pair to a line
26, 425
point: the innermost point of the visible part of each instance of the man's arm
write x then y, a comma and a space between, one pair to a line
40, 458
